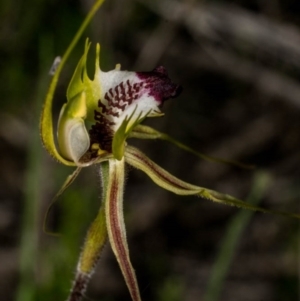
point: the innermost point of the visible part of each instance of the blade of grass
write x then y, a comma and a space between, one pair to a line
231, 239
26, 290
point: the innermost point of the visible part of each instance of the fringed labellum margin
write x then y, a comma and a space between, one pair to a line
113, 103
93, 126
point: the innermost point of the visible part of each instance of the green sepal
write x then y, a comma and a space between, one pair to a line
167, 181
81, 82
46, 123
146, 132
69, 180
76, 84
97, 233
116, 225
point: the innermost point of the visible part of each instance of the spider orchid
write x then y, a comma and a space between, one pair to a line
93, 127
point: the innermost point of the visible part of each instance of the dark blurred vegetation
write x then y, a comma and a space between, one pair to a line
239, 64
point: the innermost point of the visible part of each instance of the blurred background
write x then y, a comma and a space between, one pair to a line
239, 65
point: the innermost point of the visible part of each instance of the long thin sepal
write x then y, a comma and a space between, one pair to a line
94, 243
116, 226
69, 180
46, 123
146, 132
167, 181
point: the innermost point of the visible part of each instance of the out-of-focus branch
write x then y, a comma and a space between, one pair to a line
263, 79
155, 46
234, 27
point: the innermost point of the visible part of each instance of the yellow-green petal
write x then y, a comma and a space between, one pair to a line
116, 227
169, 182
146, 132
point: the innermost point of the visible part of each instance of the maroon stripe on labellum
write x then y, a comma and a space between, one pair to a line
101, 132
118, 99
156, 83
159, 85
121, 96
122, 88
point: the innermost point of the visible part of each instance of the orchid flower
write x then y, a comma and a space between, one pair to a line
93, 128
